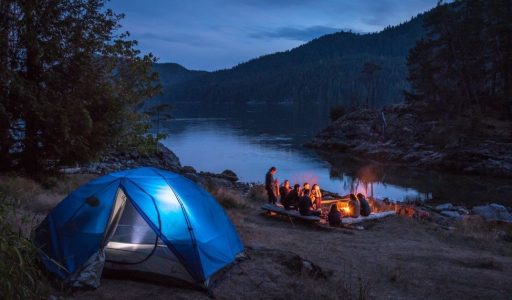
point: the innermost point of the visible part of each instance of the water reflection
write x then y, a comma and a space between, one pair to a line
248, 140
428, 185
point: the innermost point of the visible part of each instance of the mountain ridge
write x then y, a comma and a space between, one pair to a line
326, 70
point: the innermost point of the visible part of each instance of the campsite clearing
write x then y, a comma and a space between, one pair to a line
397, 258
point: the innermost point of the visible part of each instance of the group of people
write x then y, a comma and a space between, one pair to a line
357, 206
308, 199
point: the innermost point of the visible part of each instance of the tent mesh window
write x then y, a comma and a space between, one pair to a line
132, 245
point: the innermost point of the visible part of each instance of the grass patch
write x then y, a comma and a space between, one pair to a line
28, 194
20, 276
477, 228
354, 287
229, 198
258, 194
477, 233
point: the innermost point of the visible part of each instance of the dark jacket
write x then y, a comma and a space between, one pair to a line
269, 180
291, 199
365, 207
305, 205
355, 208
283, 192
334, 218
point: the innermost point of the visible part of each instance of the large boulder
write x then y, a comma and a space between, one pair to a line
188, 169
451, 214
229, 175
216, 183
493, 212
445, 206
203, 182
168, 157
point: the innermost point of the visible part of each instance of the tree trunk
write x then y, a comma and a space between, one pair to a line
30, 157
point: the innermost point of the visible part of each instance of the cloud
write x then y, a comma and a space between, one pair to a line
299, 34
177, 38
205, 34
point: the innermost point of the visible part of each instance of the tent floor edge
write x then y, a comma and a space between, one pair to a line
152, 278
218, 276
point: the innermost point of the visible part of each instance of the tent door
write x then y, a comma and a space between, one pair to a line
133, 247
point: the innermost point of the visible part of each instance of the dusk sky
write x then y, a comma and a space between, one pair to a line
218, 34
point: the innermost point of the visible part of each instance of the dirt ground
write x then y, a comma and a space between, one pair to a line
394, 258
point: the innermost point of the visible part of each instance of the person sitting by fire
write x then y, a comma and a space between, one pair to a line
334, 216
284, 190
291, 201
316, 196
354, 207
365, 206
305, 187
306, 207
271, 185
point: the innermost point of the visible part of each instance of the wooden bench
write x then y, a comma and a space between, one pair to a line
293, 214
288, 213
372, 216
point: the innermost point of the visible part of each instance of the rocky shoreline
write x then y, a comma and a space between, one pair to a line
443, 215
400, 134
165, 159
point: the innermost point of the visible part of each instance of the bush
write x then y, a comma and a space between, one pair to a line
337, 112
20, 276
229, 198
258, 194
33, 196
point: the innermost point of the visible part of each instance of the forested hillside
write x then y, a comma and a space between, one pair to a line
171, 74
457, 116
342, 68
463, 67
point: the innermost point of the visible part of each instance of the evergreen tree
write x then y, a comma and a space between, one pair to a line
69, 83
463, 66
369, 76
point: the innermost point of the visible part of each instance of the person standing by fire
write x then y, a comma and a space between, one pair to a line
271, 185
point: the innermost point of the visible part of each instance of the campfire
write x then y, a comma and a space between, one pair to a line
376, 205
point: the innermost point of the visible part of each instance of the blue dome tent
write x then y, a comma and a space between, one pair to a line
145, 221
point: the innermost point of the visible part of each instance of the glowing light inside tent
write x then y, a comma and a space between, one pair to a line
166, 199
141, 233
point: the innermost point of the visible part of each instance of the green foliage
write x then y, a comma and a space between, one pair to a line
464, 65
69, 83
20, 276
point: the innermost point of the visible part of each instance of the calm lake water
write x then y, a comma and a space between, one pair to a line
249, 139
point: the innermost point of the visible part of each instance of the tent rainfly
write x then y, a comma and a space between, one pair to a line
143, 221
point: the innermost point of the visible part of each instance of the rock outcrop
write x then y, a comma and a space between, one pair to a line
493, 212
164, 159
398, 134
